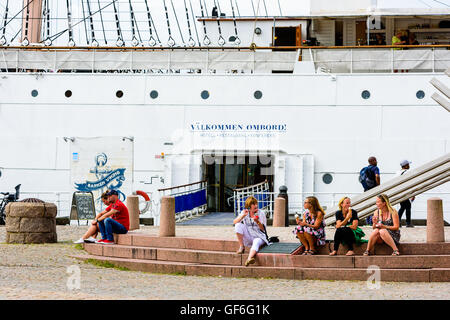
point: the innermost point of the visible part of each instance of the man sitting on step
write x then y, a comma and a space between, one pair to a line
117, 220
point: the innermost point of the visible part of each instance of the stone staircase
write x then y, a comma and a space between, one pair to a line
419, 262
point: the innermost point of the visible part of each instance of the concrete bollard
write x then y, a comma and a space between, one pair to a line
435, 220
167, 217
279, 212
133, 211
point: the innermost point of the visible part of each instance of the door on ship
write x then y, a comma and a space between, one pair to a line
287, 37
229, 173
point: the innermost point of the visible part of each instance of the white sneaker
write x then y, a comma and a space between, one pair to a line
81, 240
90, 240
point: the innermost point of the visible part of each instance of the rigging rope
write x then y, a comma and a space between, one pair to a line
151, 41
191, 41
21, 10
119, 41
237, 7
195, 24
48, 41
178, 23
5, 18
221, 40
94, 41
253, 44
237, 41
206, 40
69, 21
101, 19
25, 41
134, 40
170, 41
85, 27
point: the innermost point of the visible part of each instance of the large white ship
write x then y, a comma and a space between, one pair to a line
146, 95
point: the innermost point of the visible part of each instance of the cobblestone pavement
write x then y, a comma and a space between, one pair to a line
41, 272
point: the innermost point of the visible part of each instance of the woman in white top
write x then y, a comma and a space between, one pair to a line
250, 227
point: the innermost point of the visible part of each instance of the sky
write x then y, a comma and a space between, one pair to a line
242, 7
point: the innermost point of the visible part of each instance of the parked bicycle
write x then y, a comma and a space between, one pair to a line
7, 198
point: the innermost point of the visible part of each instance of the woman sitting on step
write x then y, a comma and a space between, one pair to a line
311, 229
347, 230
386, 226
250, 227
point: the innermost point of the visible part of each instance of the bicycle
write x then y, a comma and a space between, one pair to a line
7, 198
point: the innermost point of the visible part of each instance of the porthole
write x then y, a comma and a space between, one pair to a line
205, 94
365, 94
34, 93
420, 94
327, 178
68, 93
154, 94
258, 94
119, 94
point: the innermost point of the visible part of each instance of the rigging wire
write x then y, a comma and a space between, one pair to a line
206, 40
151, 41
5, 18
195, 24
253, 7
26, 7
191, 41
253, 44
237, 41
134, 40
265, 7
84, 16
25, 41
441, 3
221, 40
47, 41
170, 41
178, 23
279, 6
119, 41
237, 7
94, 41
69, 22
101, 19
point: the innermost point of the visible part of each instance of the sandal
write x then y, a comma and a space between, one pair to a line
241, 250
305, 253
311, 252
366, 253
333, 253
395, 253
249, 261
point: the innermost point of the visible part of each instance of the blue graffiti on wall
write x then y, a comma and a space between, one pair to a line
107, 179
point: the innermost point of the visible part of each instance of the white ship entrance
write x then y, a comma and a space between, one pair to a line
226, 173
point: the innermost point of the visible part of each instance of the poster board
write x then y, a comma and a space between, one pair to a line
83, 206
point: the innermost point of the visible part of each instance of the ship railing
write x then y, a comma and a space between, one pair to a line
382, 59
190, 199
413, 183
262, 60
260, 191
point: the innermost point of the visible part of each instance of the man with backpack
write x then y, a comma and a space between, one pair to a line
369, 176
405, 205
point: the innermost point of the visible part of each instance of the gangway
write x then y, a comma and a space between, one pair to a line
408, 185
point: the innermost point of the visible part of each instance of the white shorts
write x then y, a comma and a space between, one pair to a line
255, 243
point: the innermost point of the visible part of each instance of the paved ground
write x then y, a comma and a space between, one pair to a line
41, 272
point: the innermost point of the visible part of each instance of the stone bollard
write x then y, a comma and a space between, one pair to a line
435, 221
28, 222
133, 210
279, 212
283, 194
167, 217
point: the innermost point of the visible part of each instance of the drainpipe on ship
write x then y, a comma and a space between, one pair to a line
31, 22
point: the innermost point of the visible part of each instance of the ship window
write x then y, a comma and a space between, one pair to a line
34, 93
119, 94
154, 94
327, 178
205, 94
365, 94
258, 94
420, 94
68, 93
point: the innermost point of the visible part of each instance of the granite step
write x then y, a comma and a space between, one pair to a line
294, 273
144, 240
268, 259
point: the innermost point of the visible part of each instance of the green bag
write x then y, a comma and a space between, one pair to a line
359, 235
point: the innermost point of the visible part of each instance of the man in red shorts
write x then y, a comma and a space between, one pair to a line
117, 220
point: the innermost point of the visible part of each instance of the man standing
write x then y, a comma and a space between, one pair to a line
117, 220
406, 204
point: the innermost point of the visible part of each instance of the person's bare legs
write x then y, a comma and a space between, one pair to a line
384, 234
304, 242
93, 230
240, 237
311, 241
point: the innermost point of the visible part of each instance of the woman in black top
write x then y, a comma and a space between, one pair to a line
345, 233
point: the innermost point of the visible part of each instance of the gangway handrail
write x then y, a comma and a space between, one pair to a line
182, 186
423, 178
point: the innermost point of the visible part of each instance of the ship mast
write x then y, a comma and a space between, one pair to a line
31, 21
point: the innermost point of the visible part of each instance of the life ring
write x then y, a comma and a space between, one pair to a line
146, 198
